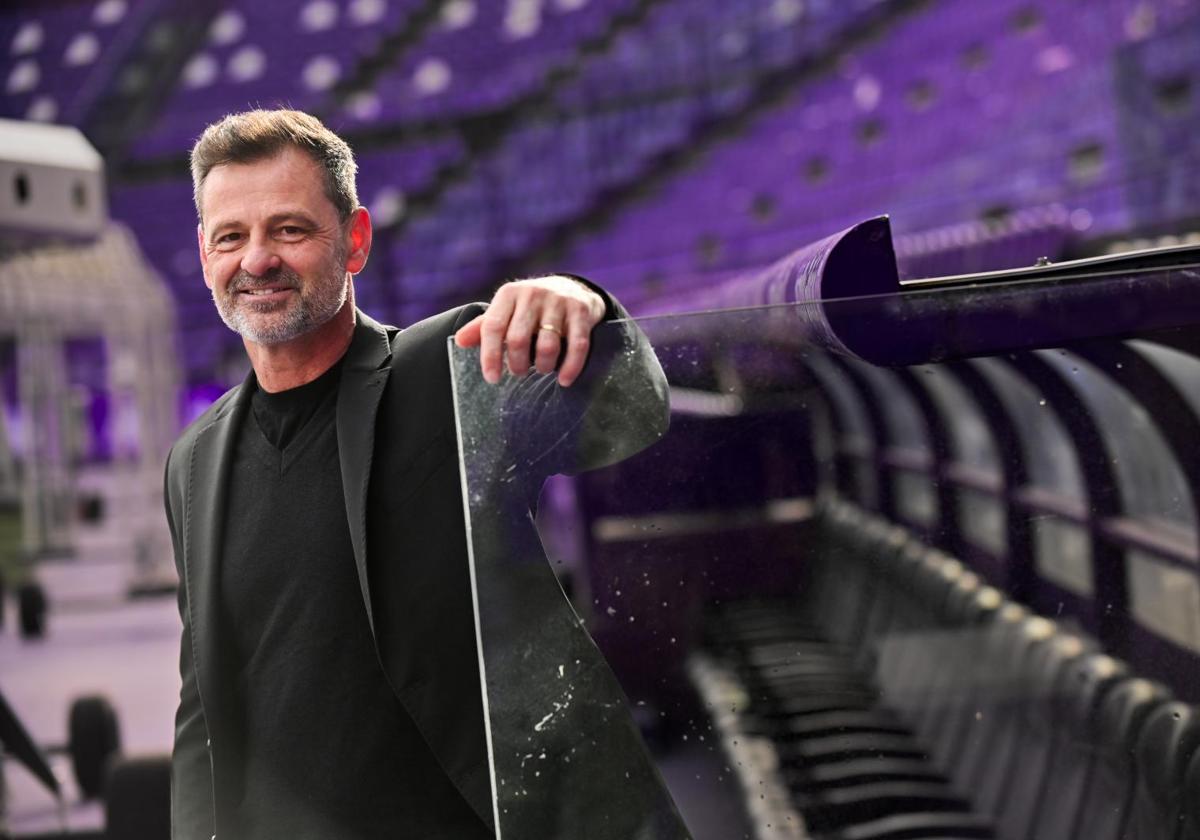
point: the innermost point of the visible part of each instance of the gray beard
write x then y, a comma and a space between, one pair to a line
316, 304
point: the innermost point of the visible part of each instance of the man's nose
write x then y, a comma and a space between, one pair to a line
259, 258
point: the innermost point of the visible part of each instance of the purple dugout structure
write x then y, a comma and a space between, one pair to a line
843, 293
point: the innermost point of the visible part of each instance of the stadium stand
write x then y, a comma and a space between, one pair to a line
598, 136
760, 126
851, 139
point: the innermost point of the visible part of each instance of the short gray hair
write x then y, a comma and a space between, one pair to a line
257, 135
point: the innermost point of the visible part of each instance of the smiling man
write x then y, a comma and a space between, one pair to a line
330, 675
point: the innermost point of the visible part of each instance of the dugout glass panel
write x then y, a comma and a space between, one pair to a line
708, 586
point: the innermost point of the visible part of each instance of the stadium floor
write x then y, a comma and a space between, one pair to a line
129, 651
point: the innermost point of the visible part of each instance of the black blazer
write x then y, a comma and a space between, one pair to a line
400, 474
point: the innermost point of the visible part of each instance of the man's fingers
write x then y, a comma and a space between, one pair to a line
492, 332
512, 328
579, 339
549, 341
469, 334
519, 336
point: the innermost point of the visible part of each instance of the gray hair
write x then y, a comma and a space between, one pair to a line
257, 135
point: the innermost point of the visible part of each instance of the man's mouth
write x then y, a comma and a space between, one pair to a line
267, 291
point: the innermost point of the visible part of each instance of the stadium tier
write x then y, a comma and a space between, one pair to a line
56, 58
478, 57
666, 143
964, 114
265, 54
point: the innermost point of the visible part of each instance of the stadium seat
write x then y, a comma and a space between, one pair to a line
1013, 800
1191, 801
1108, 798
946, 711
1168, 741
1074, 730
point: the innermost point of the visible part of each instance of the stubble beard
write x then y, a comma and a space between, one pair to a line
270, 323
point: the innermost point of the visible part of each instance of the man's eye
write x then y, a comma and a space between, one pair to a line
228, 238
291, 230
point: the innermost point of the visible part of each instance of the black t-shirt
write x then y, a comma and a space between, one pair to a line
328, 750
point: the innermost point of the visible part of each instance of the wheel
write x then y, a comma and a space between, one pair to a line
31, 608
93, 738
138, 803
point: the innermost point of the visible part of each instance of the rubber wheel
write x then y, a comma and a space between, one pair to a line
93, 738
138, 803
31, 607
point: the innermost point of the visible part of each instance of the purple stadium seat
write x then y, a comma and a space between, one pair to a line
480, 56
256, 55
55, 58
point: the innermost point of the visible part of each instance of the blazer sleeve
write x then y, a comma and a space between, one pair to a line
617, 406
191, 768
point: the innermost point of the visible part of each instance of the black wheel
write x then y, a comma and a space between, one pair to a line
138, 803
93, 738
31, 607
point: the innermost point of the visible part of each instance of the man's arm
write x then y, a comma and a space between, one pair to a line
617, 400
631, 406
191, 768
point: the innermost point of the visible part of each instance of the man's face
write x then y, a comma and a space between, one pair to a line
273, 249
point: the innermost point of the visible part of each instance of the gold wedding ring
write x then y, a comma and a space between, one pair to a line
552, 329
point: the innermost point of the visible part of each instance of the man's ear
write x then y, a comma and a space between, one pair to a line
359, 238
203, 254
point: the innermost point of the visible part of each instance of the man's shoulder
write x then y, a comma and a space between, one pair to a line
192, 430
441, 325
429, 334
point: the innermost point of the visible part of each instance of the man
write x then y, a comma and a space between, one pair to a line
330, 673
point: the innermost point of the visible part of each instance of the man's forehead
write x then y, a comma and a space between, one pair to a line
289, 163
288, 176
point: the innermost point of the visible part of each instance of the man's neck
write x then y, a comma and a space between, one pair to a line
279, 367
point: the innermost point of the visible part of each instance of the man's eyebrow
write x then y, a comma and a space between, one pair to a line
216, 230
272, 220
292, 216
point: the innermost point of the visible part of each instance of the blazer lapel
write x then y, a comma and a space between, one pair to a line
208, 485
363, 376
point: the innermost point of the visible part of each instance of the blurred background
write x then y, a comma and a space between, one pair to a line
659, 147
